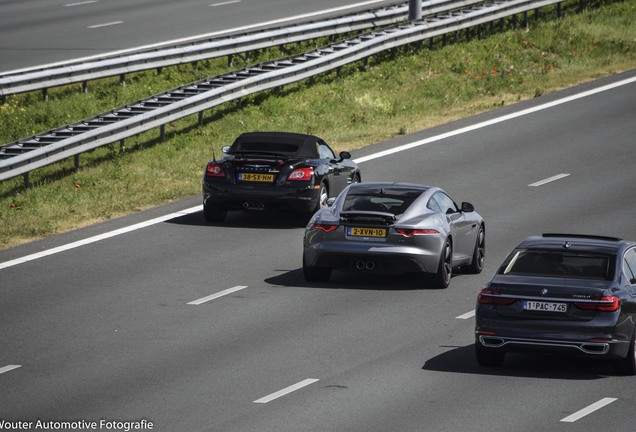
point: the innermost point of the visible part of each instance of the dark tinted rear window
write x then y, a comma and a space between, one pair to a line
549, 263
395, 204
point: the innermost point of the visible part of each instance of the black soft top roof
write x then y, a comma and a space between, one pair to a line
292, 144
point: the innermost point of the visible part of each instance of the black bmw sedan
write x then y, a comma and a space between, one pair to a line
279, 171
561, 293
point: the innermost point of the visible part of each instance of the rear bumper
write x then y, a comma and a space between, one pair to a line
587, 348
358, 256
280, 198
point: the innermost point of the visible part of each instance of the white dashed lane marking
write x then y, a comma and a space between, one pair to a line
548, 180
287, 390
588, 410
8, 368
217, 295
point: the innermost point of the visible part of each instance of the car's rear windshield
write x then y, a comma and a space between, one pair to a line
274, 147
395, 204
562, 264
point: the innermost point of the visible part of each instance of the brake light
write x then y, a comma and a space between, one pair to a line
604, 304
488, 296
301, 174
324, 227
407, 232
214, 170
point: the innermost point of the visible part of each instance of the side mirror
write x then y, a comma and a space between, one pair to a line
345, 155
330, 201
225, 149
467, 207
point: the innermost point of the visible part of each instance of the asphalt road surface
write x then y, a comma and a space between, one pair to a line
43, 32
198, 327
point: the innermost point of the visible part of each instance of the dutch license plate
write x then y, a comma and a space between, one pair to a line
545, 306
366, 232
249, 177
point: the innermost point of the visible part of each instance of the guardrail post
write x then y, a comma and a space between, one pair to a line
200, 118
45, 95
162, 132
122, 79
76, 162
84, 87
122, 145
26, 181
415, 10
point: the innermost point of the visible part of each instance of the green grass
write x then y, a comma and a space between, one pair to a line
363, 104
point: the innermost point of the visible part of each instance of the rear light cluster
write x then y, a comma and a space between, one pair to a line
604, 304
324, 227
302, 174
488, 296
214, 170
408, 232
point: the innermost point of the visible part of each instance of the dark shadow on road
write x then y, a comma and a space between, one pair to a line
351, 281
462, 360
241, 219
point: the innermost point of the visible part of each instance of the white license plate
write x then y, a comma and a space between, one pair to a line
545, 306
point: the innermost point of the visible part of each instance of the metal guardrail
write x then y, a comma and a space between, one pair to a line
23, 156
205, 49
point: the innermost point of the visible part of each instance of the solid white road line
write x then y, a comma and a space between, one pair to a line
217, 295
548, 180
100, 237
588, 410
467, 315
8, 368
283, 392
496, 120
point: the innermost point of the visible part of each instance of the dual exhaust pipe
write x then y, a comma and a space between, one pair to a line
365, 265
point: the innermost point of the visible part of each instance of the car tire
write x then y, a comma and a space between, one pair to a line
214, 214
316, 274
627, 365
323, 196
479, 253
486, 357
442, 278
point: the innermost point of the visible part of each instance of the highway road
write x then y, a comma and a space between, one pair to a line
43, 32
198, 327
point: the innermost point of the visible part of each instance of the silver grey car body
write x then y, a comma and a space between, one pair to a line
394, 228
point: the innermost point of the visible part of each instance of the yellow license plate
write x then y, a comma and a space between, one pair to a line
366, 232
248, 177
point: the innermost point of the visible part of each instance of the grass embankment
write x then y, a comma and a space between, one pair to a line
392, 96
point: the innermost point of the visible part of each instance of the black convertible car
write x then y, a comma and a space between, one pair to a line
278, 171
562, 293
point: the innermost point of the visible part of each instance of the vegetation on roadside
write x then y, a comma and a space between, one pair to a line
394, 94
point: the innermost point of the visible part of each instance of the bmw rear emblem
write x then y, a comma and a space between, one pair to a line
544, 291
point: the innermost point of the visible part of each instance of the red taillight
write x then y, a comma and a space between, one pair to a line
301, 174
488, 296
408, 232
214, 170
605, 304
324, 227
